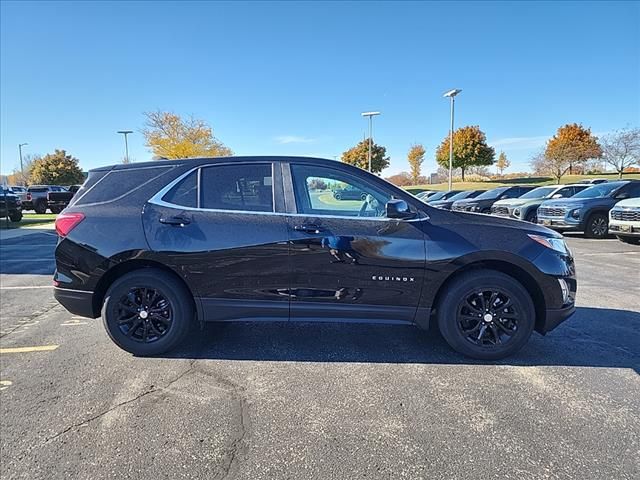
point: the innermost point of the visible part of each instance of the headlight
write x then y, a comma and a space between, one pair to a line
575, 212
556, 244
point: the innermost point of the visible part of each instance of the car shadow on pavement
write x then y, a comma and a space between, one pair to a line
593, 337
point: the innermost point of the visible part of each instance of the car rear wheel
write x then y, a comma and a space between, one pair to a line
15, 217
486, 315
40, 207
597, 226
147, 312
56, 210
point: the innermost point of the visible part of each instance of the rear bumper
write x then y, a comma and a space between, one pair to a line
78, 302
555, 316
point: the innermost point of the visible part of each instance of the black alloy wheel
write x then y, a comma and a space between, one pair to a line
487, 317
145, 315
485, 314
148, 311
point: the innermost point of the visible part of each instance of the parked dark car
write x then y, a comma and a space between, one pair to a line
38, 197
445, 195
483, 202
588, 210
349, 193
425, 194
155, 247
446, 204
58, 201
10, 205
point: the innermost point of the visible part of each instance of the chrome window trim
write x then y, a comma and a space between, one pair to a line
157, 200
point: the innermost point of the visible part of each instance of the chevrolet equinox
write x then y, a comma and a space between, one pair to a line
157, 247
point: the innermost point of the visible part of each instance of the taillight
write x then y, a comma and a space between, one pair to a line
65, 222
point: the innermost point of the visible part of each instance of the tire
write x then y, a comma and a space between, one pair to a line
40, 206
15, 217
126, 294
629, 240
597, 226
455, 315
531, 217
56, 210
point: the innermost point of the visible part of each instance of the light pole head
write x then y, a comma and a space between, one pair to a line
370, 114
452, 93
125, 131
22, 144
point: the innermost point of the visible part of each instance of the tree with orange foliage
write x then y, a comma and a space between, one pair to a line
572, 145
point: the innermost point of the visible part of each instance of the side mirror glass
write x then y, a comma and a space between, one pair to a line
622, 196
396, 208
557, 195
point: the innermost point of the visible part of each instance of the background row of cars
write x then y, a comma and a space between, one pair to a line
40, 198
597, 208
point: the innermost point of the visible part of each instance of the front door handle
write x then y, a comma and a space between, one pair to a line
308, 228
177, 220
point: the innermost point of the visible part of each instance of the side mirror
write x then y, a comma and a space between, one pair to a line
396, 208
557, 195
622, 196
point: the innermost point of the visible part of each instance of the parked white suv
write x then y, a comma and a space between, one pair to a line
624, 220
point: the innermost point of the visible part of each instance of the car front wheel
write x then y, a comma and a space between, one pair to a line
147, 312
597, 226
486, 314
15, 217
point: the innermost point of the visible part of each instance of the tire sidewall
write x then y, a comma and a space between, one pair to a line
171, 288
469, 283
588, 230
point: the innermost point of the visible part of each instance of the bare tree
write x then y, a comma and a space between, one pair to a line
621, 149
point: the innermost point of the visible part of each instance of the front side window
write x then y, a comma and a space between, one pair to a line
247, 187
326, 191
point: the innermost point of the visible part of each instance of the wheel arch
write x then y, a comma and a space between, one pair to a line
128, 266
508, 268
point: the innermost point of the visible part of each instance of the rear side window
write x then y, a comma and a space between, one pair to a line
38, 189
237, 187
185, 192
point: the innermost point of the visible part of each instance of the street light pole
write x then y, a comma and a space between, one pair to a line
370, 115
451, 94
20, 145
126, 143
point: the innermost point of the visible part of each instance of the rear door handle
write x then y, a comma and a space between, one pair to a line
308, 228
177, 220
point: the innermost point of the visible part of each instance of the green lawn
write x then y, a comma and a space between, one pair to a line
30, 220
529, 181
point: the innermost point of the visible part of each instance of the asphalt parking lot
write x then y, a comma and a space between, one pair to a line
326, 401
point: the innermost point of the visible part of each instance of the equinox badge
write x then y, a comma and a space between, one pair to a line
381, 278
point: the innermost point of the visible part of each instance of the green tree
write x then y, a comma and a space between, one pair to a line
503, 163
572, 145
469, 149
170, 137
359, 156
415, 157
56, 168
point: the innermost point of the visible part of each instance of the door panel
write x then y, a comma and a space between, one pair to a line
236, 262
348, 262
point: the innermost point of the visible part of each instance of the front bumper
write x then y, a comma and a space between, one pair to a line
560, 223
555, 316
78, 302
622, 228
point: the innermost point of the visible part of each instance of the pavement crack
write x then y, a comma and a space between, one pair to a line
29, 318
151, 389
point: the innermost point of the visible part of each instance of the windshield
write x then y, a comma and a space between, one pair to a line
540, 192
598, 191
491, 194
437, 196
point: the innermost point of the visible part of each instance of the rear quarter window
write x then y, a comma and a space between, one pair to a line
117, 184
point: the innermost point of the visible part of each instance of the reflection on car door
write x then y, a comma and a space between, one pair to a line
347, 253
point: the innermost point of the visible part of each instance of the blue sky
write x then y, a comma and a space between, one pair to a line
292, 78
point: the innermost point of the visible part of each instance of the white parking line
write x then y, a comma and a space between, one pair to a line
607, 253
29, 260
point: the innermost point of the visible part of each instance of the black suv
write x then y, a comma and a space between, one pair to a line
156, 247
